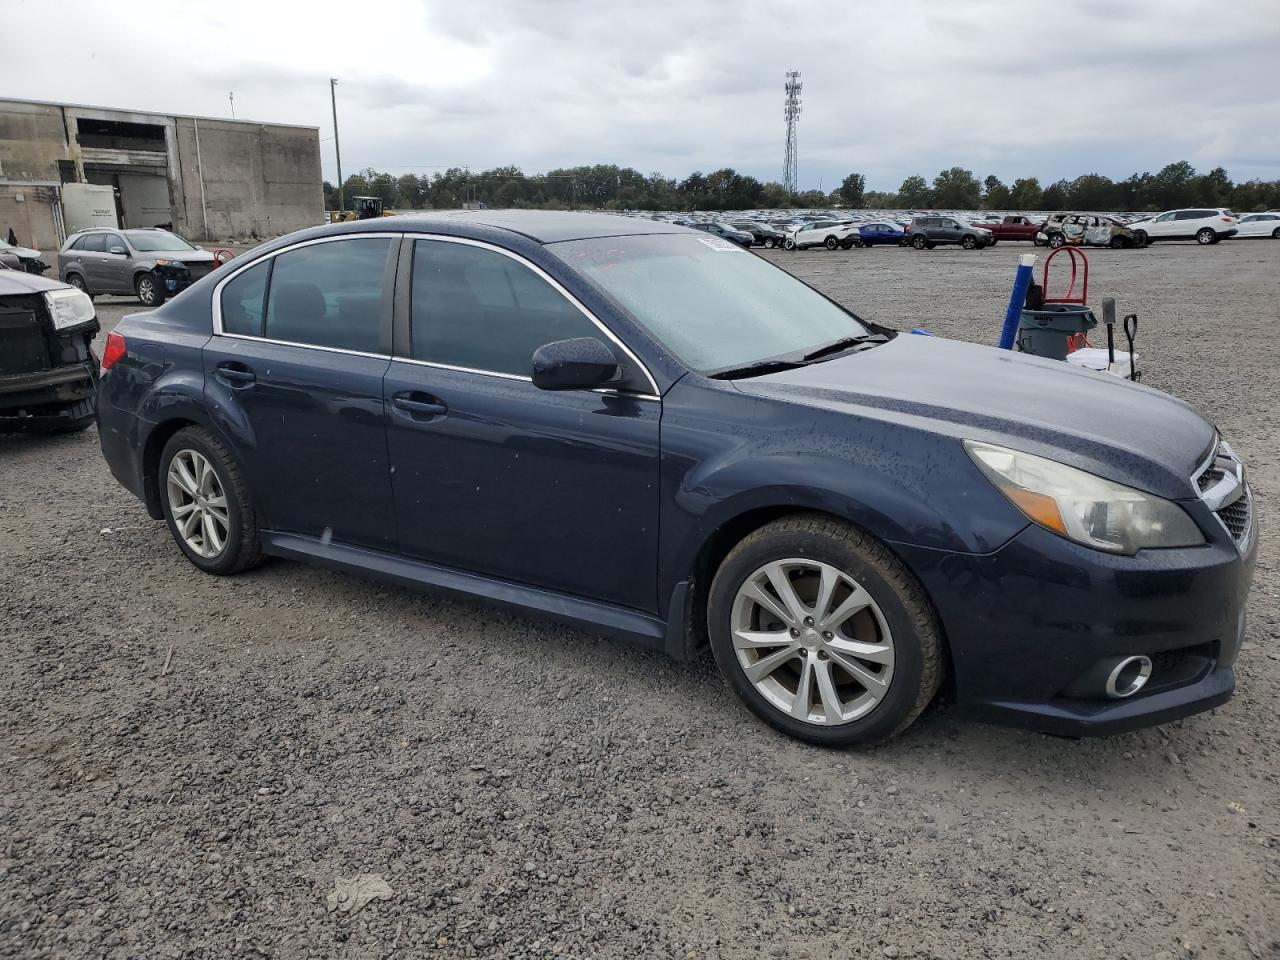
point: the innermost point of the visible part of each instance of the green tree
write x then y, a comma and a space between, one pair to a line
995, 195
1173, 185
956, 189
852, 190
914, 193
409, 192
1092, 191
1213, 189
1025, 194
1056, 195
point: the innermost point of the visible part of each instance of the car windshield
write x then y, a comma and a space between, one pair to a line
714, 305
146, 241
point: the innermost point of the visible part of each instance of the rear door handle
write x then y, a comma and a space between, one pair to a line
235, 375
419, 405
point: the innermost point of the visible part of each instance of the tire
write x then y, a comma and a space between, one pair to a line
788, 244
1117, 243
769, 243
993, 243
899, 615
1143, 237
1039, 243
831, 243
1057, 240
969, 242
240, 548
920, 242
846, 244
1275, 234
150, 292
77, 281
1205, 236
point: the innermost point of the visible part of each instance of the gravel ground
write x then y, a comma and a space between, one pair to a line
529, 791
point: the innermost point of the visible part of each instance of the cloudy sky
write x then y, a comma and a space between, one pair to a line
1011, 87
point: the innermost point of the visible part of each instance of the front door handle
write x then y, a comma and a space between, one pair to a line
234, 375
419, 405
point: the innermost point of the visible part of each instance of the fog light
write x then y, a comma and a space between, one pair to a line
1128, 676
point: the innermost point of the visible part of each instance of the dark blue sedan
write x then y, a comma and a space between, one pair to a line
647, 431
882, 232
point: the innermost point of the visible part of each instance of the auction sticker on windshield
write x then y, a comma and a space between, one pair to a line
715, 243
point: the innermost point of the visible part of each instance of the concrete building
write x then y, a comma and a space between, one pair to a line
211, 179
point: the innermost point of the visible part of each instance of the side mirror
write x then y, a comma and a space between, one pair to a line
120, 250
578, 364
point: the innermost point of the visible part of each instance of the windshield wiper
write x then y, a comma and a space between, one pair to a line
756, 369
844, 343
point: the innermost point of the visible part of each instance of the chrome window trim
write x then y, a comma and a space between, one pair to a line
467, 241
217, 293
554, 284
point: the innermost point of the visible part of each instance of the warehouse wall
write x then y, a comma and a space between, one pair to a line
259, 180
29, 212
32, 141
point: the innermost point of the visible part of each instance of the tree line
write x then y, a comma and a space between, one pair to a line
610, 187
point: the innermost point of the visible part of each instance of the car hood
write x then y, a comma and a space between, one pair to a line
1113, 428
186, 256
19, 283
24, 252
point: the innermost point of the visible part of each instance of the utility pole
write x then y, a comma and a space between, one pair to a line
232, 97
333, 98
791, 113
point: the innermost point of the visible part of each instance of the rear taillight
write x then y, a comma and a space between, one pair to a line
115, 350
1226, 220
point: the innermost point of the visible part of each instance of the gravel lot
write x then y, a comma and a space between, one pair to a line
529, 791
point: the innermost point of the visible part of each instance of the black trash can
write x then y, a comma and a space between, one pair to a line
1045, 332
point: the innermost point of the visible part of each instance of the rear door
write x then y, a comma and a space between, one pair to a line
555, 489
92, 254
301, 343
117, 267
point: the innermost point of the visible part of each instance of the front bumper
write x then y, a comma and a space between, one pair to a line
1026, 622
48, 399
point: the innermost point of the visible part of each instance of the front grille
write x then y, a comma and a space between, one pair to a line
22, 343
198, 270
1235, 517
1222, 485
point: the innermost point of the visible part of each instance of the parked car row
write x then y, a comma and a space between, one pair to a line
149, 263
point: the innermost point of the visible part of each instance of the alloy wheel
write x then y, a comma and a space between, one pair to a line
1205, 236
146, 290
812, 641
197, 503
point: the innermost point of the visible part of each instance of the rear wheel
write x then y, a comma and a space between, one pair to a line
1205, 235
823, 633
769, 243
149, 290
206, 503
1275, 234
1117, 243
969, 241
846, 244
1143, 237
919, 241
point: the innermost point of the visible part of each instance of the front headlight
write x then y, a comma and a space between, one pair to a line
1081, 507
69, 307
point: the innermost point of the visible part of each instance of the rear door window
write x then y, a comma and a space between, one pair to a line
335, 294
481, 310
242, 301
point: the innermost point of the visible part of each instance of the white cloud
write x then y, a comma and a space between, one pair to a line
891, 88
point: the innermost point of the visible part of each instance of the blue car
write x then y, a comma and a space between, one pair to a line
882, 232
646, 431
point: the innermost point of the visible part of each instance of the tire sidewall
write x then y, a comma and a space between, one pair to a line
904, 689
1205, 236
194, 438
157, 292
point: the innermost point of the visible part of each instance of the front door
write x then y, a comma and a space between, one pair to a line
303, 379
496, 476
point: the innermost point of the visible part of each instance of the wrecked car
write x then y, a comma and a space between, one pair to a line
48, 373
1086, 230
22, 258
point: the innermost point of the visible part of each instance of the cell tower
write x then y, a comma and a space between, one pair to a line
791, 167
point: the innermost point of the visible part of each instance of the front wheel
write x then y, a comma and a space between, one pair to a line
77, 281
149, 290
831, 243
769, 243
1057, 240
846, 244
1205, 236
919, 241
969, 242
788, 244
1142, 237
823, 633
206, 503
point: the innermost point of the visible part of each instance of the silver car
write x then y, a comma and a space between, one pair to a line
150, 263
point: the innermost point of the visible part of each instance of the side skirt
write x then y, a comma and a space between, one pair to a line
640, 628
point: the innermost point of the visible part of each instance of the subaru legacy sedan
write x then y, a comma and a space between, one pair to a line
646, 431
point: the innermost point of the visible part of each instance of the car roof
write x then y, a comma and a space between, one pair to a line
544, 226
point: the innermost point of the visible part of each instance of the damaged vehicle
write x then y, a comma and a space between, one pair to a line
649, 432
48, 373
22, 258
149, 263
1087, 230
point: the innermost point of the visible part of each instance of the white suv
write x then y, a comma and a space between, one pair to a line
1201, 224
822, 233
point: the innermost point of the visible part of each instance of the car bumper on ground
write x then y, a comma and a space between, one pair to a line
47, 399
1029, 625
